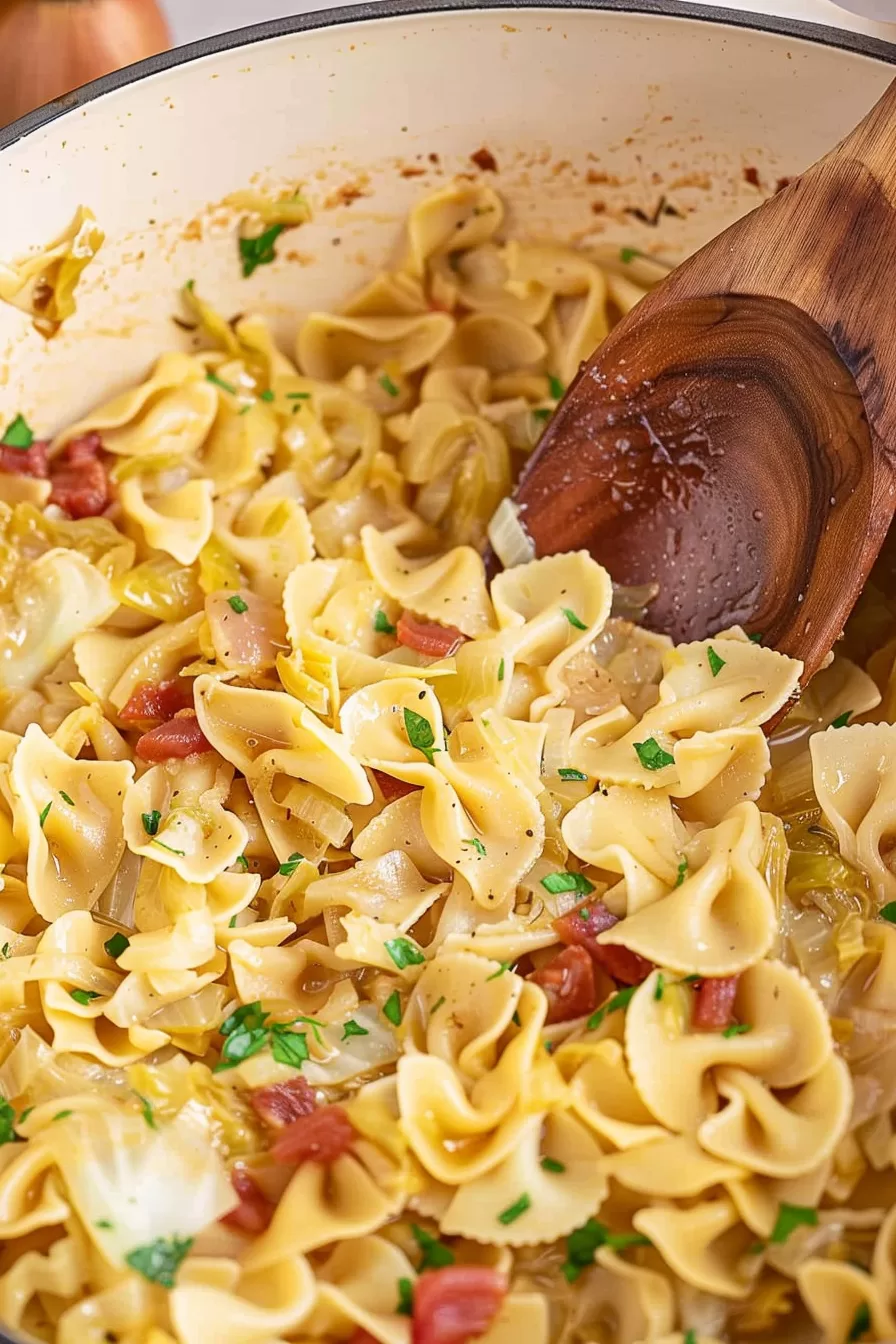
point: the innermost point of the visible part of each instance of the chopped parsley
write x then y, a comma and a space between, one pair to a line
737, 1029
62, 1115
392, 1008
65, 798
24, 1116
690, 1337
842, 719
515, 1210
388, 386
381, 623
237, 604
146, 1110
551, 1164
242, 863
888, 911
861, 1322
715, 662
246, 1018
437, 1005
353, 1028
682, 872
45, 814
790, 1217
577, 882
288, 868
628, 254
617, 1003
266, 395
151, 821
582, 1244
652, 756
231, 923
405, 1298
542, 414
556, 387
83, 996
171, 850
404, 953
104, 1224
5, 951
436, 1255
160, 1260
502, 967
290, 1047
7, 1123
573, 619
565, 772
477, 845
501, 670
756, 637
660, 986
420, 734
255, 252
241, 1045
219, 382
18, 434
298, 396
117, 944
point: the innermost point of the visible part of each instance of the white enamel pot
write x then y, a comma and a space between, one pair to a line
589, 110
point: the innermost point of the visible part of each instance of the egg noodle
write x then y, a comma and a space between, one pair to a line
387, 955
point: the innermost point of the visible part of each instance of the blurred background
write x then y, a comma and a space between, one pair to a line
49, 47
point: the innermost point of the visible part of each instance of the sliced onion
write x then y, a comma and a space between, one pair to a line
630, 601
509, 540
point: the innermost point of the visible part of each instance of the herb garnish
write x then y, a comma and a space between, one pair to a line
151, 821
18, 434
259, 251
715, 662
353, 1028
388, 386
237, 604
502, 967
573, 619
392, 1008
146, 1109
288, 868
501, 670
65, 798
477, 845
117, 944
381, 623
405, 1298
212, 377
83, 996
45, 814
555, 386
790, 1217
565, 772
652, 756
577, 882
420, 734
619, 1001
515, 1210
861, 1322
581, 1245
160, 1260
682, 872
551, 1164
436, 1255
7, 1123
289, 1047
171, 850
660, 986
404, 953
242, 863
842, 719
737, 1029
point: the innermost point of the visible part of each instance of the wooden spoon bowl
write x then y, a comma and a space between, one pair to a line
733, 439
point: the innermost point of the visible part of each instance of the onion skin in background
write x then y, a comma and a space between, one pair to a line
49, 47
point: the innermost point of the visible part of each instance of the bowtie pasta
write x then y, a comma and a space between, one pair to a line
388, 956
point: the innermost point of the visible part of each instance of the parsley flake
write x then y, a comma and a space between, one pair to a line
160, 1260
715, 662
756, 637
388, 386
861, 1323
65, 798
290, 1047
247, 1018
231, 923
237, 604
151, 821
502, 967
62, 1115
577, 882
573, 619
104, 1224
551, 1164
353, 1028
241, 1045
18, 434
542, 414
515, 1210
477, 845
392, 1008
659, 987
652, 756
582, 1244
255, 252
420, 734
556, 387
266, 395
437, 1005
5, 951
737, 1029
381, 623
790, 1217
7, 1123
405, 1298
146, 1110
45, 814
690, 1337
212, 377
171, 850
288, 868
24, 1116
117, 944
566, 772
616, 1004
83, 996
404, 953
501, 670
842, 719
242, 863
436, 1255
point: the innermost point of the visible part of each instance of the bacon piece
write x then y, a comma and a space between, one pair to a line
282, 1103
158, 700
580, 928
80, 482
456, 1304
428, 637
173, 741
568, 981
254, 1212
393, 788
322, 1136
714, 1003
26, 461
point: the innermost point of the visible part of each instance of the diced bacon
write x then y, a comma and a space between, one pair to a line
393, 788
568, 981
173, 741
714, 1003
282, 1103
80, 482
580, 928
427, 637
322, 1136
456, 1304
254, 1212
159, 700
26, 461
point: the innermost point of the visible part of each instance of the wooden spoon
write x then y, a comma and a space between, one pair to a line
734, 438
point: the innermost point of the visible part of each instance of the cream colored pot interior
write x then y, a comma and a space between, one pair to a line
585, 112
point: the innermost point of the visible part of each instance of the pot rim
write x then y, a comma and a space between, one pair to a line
371, 10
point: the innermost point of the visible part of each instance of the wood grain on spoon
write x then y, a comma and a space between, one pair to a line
734, 437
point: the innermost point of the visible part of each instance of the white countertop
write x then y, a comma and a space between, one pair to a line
192, 19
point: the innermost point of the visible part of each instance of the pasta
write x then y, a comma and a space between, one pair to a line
393, 956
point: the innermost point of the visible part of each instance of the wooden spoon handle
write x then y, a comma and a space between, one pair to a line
873, 143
